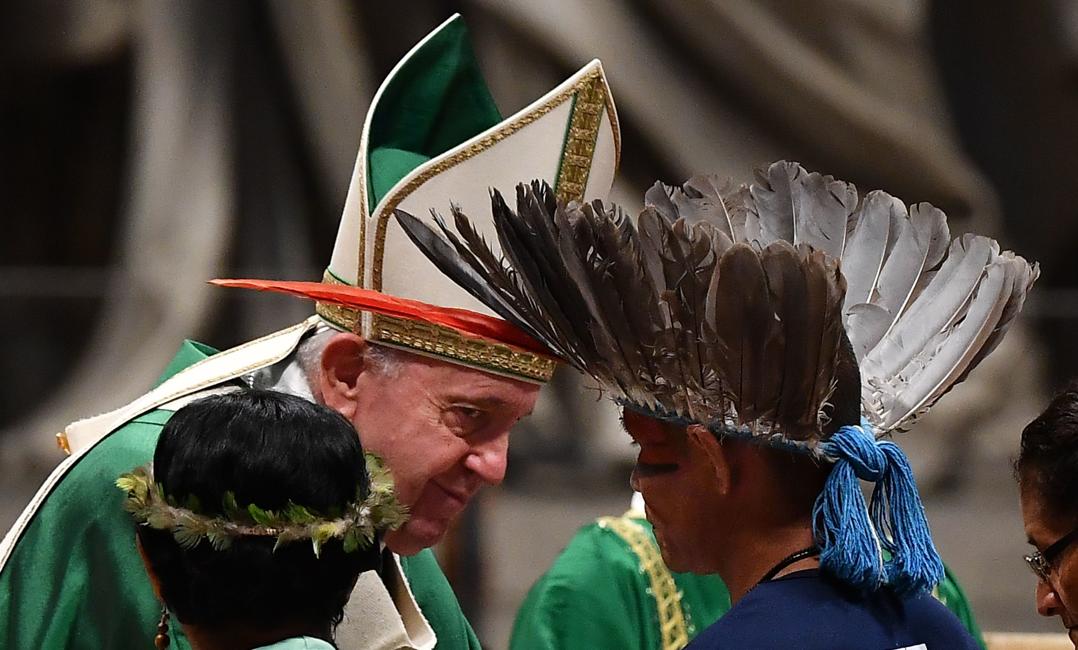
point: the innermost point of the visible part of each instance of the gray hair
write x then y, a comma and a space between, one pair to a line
386, 360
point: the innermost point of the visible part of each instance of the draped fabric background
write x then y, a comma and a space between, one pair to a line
152, 146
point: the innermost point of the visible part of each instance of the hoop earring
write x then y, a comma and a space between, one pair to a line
161, 640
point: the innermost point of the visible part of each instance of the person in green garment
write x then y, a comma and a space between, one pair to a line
429, 378
610, 585
247, 551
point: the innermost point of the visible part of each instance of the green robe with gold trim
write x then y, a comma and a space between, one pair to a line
75, 579
610, 589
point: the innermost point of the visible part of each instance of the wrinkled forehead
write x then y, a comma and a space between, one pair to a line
479, 388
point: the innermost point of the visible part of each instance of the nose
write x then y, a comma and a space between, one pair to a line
488, 460
1047, 600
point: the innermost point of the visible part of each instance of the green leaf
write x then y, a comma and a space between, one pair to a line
259, 515
193, 504
324, 532
351, 541
231, 508
298, 514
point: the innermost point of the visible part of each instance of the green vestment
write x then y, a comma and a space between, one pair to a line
610, 589
75, 578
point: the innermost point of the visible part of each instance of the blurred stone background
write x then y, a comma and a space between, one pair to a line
150, 146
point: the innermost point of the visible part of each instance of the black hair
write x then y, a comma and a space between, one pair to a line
803, 476
1048, 456
846, 398
268, 448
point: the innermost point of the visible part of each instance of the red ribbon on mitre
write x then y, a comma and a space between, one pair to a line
464, 321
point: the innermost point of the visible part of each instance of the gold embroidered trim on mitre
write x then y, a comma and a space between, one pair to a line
673, 630
579, 149
390, 203
500, 358
346, 318
445, 342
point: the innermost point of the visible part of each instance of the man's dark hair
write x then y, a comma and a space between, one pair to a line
268, 448
846, 398
1048, 457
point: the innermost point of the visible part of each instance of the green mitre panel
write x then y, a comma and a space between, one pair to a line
436, 100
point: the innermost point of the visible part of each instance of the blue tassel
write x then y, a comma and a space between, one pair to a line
853, 535
899, 515
849, 547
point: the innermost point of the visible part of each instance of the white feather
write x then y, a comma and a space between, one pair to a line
950, 352
862, 259
773, 199
822, 206
937, 306
865, 325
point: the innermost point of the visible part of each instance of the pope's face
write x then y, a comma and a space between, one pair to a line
443, 431
679, 487
1057, 596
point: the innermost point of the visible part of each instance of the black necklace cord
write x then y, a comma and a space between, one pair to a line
811, 551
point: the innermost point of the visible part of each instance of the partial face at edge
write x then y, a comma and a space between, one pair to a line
1058, 596
680, 489
443, 431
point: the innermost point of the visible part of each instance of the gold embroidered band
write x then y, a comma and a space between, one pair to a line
440, 341
587, 116
672, 625
454, 346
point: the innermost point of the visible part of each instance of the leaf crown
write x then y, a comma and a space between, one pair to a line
355, 524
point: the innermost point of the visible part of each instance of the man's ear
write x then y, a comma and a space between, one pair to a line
343, 361
702, 441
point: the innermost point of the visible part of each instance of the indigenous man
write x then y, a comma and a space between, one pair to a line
757, 379
610, 585
433, 391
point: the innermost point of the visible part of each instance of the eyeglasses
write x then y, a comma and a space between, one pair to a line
1040, 562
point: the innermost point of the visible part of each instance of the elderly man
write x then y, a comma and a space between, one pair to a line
758, 379
433, 391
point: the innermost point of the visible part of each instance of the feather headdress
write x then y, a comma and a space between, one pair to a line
642, 307
730, 307
920, 309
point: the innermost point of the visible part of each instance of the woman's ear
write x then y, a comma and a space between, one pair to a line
703, 442
149, 569
342, 363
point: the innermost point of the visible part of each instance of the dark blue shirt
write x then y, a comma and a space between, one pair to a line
807, 610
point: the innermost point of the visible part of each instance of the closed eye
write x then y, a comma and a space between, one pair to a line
466, 420
469, 412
